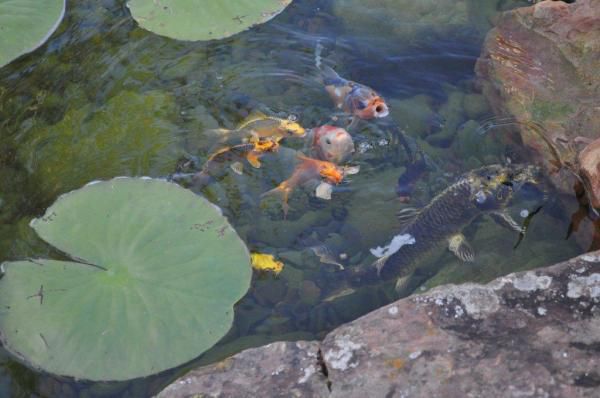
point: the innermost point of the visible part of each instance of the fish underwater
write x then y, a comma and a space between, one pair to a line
425, 232
331, 143
351, 97
307, 171
232, 156
259, 126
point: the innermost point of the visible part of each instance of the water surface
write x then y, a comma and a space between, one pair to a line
104, 98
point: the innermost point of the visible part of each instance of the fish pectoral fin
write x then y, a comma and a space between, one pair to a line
253, 159
323, 191
380, 263
407, 215
237, 167
505, 220
458, 245
402, 284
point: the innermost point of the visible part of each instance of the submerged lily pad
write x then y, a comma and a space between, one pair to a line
203, 19
154, 276
27, 24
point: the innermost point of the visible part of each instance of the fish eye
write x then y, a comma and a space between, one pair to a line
328, 141
379, 108
361, 105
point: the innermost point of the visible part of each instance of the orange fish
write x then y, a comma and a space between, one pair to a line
353, 98
307, 170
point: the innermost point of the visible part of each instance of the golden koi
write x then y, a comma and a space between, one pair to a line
259, 126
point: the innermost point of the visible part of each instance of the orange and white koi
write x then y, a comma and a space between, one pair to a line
306, 171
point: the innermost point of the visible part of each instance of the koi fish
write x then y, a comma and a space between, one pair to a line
306, 171
487, 190
259, 126
251, 152
331, 143
353, 98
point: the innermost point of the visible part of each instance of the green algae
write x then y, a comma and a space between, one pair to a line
132, 134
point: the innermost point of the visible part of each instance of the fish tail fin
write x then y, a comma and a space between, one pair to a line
282, 192
201, 180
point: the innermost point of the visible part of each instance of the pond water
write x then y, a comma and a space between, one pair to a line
105, 98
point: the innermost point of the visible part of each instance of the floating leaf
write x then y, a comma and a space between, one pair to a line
155, 273
203, 19
26, 24
266, 262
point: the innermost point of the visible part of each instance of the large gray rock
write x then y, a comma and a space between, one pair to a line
534, 334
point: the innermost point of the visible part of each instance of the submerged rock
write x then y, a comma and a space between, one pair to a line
532, 333
131, 134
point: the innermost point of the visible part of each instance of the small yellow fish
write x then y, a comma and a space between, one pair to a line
266, 262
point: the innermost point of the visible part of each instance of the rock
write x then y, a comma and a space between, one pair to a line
284, 369
589, 168
531, 333
541, 63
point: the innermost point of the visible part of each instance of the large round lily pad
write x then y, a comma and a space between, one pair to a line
154, 276
203, 19
27, 24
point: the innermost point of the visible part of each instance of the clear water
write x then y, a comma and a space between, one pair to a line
91, 79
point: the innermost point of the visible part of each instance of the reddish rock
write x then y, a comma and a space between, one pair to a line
541, 64
589, 166
534, 334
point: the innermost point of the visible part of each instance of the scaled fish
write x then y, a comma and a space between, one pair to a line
232, 156
331, 143
259, 126
353, 98
308, 170
487, 190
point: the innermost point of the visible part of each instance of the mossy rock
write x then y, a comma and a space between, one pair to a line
132, 134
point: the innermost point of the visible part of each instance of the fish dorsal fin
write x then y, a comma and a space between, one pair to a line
251, 118
407, 215
303, 158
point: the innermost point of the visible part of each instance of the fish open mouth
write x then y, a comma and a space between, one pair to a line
381, 111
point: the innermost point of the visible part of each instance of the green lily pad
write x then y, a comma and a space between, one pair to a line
26, 24
156, 270
203, 19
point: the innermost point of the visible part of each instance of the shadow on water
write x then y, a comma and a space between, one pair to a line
56, 136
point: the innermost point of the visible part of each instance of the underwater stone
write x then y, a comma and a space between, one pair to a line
132, 134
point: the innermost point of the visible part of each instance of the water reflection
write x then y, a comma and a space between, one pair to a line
97, 72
